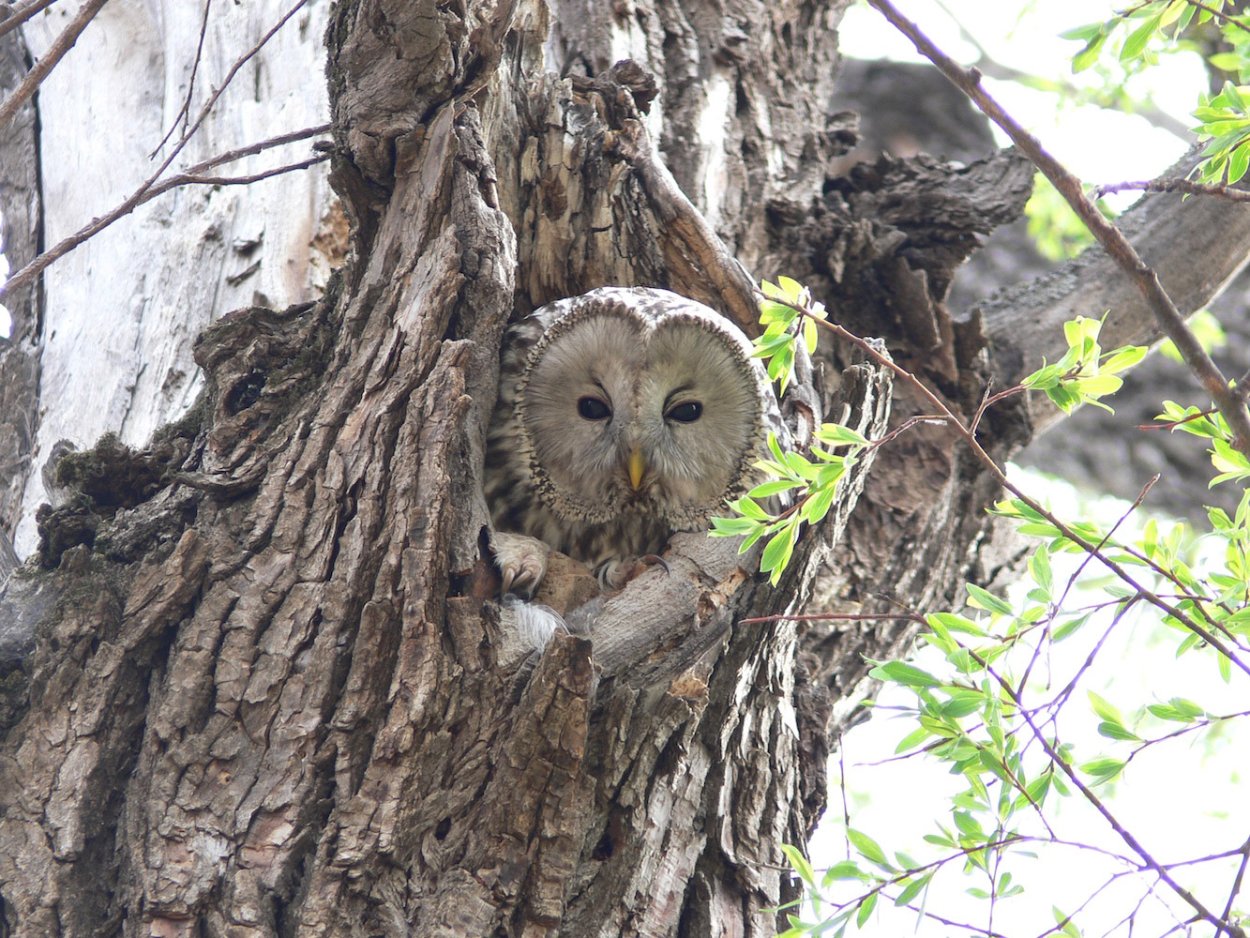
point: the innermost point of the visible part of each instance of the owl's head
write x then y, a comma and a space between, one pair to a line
640, 401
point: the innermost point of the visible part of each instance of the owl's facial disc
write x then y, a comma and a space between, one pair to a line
656, 419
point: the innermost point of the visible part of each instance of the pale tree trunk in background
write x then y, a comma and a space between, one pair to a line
120, 313
260, 684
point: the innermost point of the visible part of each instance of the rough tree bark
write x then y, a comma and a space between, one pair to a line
257, 682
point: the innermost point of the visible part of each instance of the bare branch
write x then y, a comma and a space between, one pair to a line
1186, 186
1108, 235
137, 198
225, 83
61, 45
1232, 893
252, 149
145, 194
1218, 14
184, 112
188, 179
19, 13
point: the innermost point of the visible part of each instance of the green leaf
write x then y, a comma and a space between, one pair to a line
1225, 61
1083, 33
1104, 708
1089, 55
1138, 39
835, 434
865, 909
1038, 788
732, 527
1064, 398
800, 864
774, 312
777, 552
1046, 377
867, 847
773, 487
983, 599
810, 336
913, 739
1116, 731
846, 869
1039, 569
1124, 358
1177, 710
1103, 769
956, 623
1098, 385
900, 672
1238, 163
819, 504
792, 290
969, 825
912, 889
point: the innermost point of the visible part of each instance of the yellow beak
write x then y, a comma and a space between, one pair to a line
636, 468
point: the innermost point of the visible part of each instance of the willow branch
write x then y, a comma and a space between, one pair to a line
1187, 186
1107, 234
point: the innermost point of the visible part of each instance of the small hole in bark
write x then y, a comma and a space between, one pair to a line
444, 827
245, 393
603, 849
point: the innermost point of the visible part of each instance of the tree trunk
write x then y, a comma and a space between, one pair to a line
111, 340
270, 690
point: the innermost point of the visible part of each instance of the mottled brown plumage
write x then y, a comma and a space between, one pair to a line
623, 415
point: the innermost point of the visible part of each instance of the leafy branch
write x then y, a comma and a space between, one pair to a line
978, 719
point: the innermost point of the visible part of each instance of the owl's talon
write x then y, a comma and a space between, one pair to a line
617, 574
522, 562
655, 560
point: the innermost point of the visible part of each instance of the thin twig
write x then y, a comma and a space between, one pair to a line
184, 112
1227, 21
1232, 893
1188, 186
190, 179
253, 148
48, 61
1108, 235
19, 13
63, 247
986, 460
1147, 110
39, 264
1124, 833
834, 617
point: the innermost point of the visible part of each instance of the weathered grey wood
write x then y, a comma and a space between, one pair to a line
120, 313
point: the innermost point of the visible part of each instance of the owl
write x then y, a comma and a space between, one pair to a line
624, 415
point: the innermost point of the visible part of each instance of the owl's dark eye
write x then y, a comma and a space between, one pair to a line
591, 408
687, 412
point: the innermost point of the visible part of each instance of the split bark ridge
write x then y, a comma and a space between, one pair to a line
269, 691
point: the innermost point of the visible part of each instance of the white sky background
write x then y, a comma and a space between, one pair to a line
1184, 799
